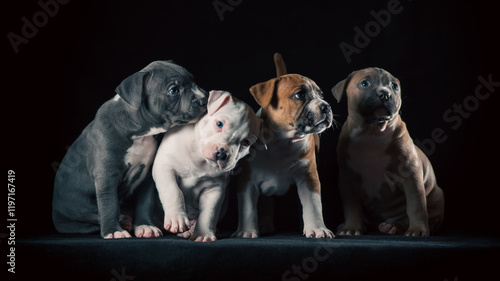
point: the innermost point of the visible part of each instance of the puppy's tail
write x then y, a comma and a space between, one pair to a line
280, 64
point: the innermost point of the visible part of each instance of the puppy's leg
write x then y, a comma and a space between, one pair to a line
435, 208
107, 203
144, 210
416, 207
265, 208
309, 190
353, 210
247, 213
172, 200
312, 214
210, 203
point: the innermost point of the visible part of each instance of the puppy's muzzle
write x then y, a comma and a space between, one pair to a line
315, 118
200, 101
384, 95
221, 154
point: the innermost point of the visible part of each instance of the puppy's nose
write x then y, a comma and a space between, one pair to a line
325, 108
384, 95
221, 154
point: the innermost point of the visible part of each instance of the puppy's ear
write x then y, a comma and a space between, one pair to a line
340, 89
280, 65
133, 89
216, 100
264, 92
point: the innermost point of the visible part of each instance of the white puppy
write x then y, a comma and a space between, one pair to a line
193, 163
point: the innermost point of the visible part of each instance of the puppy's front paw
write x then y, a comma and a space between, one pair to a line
318, 232
147, 231
177, 223
203, 237
417, 231
245, 234
118, 234
349, 230
189, 233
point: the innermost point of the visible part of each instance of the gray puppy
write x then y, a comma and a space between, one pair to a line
108, 167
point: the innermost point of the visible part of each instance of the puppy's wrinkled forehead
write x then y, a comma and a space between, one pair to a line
163, 69
241, 121
294, 83
374, 75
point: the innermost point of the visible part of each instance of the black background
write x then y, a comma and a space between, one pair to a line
437, 49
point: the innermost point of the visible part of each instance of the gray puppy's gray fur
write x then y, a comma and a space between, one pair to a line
109, 162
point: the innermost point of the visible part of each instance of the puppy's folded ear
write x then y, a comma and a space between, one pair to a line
264, 93
216, 100
340, 89
133, 89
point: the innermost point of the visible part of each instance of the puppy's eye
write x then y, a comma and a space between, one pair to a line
364, 84
301, 95
245, 143
219, 124
394, 86
174, 91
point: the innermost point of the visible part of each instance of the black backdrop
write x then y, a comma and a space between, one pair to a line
77, 56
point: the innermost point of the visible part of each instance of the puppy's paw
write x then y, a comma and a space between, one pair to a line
126, 222
117, 234
189, 233
318, 232
245, 234
203, 237
177, 223
349, 230
390, 228
417, 231
147, 231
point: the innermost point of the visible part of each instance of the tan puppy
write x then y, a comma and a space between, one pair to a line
385, 180
294, 113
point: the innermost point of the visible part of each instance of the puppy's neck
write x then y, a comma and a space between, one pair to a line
358, 125
276, 134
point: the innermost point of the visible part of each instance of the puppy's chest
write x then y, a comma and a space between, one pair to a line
276, 169
368, 158
200, 175
138, 160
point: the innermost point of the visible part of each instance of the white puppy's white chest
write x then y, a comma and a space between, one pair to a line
138, 159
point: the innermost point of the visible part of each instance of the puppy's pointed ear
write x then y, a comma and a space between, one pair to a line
340, 89
264, 92
280, 65
133, 89
216, 100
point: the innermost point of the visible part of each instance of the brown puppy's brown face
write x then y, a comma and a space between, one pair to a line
373, 93
294, 105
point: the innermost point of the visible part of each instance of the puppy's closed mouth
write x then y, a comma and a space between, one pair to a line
317, 127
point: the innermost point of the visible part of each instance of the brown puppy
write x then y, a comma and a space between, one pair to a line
385, 180
294, 113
